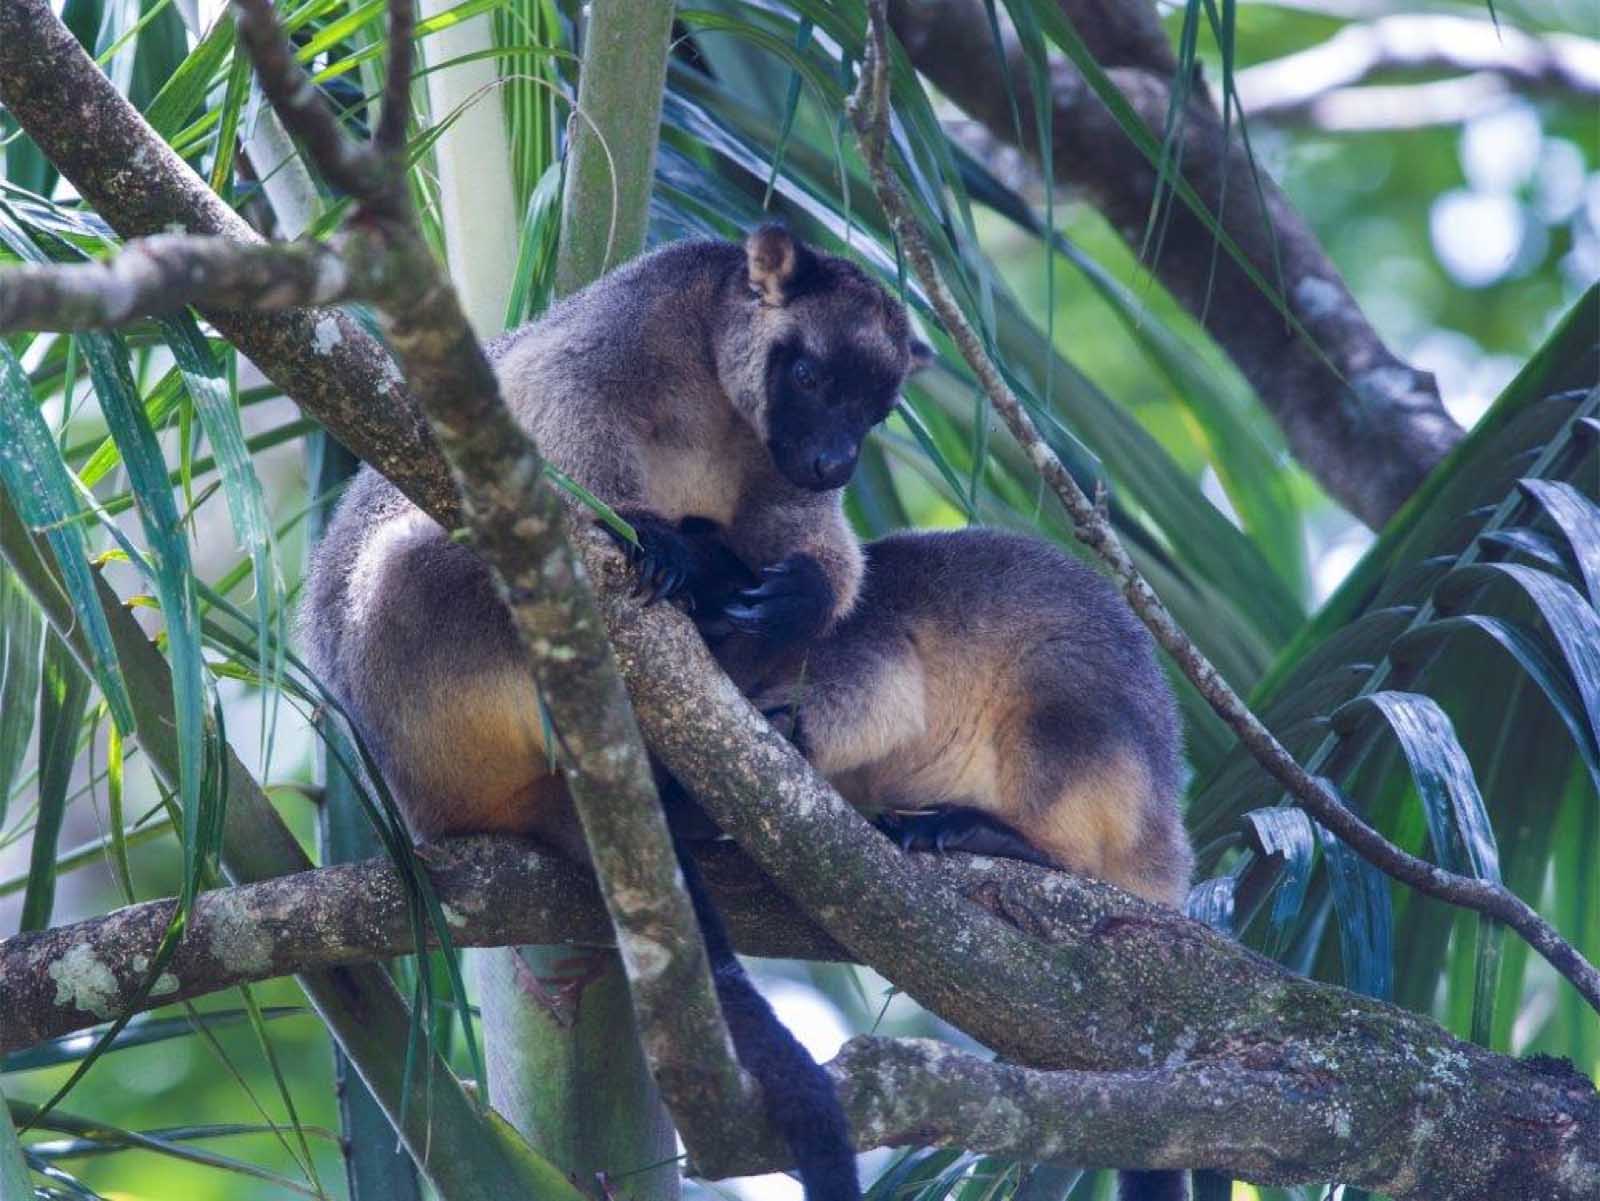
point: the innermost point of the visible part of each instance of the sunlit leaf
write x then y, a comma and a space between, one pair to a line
37, 481
175, 585
21, 634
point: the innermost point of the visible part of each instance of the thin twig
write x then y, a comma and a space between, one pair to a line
168, 272
350, 166
869, 110
391, 135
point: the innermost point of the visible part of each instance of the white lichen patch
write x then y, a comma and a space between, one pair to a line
1002, 1113
1448, 1066
645, 958
237, 940
392, 380
325, 335
1577, 1172
1316, 297
166, 983
85, 982
1181, 1046
794, 794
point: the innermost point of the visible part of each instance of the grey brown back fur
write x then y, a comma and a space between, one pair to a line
649, 388
990, 671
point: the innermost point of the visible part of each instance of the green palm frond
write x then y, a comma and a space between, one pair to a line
1452, 689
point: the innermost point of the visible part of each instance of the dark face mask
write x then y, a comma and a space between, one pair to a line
818, 417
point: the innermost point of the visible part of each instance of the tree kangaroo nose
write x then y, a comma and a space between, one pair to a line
833, 467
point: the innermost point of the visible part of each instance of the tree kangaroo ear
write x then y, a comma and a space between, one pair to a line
922, 356
775, 260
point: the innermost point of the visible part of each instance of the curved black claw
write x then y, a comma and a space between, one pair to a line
716, 578
969, 830
663, 561
791, 604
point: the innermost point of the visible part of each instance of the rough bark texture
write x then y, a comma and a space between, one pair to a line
168, 272
67, 977
571, 1054
1369, 438
441, 1127
1318, 1084
1086, 979
516, 524
322, 358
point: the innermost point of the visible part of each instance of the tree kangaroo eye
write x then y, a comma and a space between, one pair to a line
803, 373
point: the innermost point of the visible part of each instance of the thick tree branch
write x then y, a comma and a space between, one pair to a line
1292, 87
1355, 1091
517, 525
496, 892
1368, 437
1135, 985
134, 180
869, 109
451, 375
440, 1125
168, 272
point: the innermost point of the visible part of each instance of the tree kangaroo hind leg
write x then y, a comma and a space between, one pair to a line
852, 702
445, 697
960, 828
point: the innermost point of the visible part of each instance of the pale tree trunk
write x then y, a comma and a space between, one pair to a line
564, 1060
473, 161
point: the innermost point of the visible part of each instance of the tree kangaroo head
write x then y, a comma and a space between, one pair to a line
815, 358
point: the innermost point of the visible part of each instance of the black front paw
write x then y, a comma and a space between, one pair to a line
717, 576
959, 829
792, 603
663, 561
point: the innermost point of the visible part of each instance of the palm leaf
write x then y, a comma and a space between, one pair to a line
21, 634
63, 697
1399, 654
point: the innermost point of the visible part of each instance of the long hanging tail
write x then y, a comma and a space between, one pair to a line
800, 1100
1153, 1186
